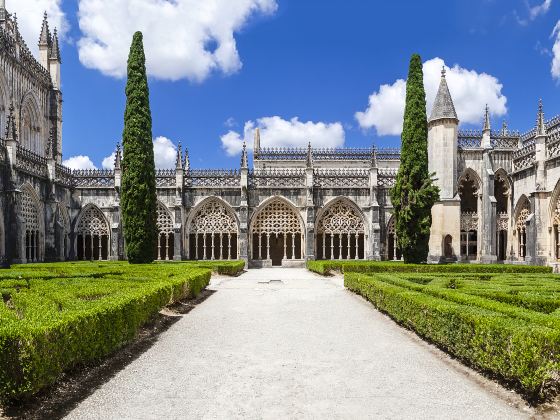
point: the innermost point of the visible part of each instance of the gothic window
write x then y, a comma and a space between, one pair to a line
29, 211
468, 189
277, 233
166, 236
340, 233
393, 250
213, 233
62, 232
501, 192
29, 131
521, 227
92, 232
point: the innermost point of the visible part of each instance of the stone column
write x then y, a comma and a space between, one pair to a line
487, 214
310, 211
243, 238
372, 244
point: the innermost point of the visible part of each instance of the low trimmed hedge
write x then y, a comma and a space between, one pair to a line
483, 334
52, 324
228, 268
326, 266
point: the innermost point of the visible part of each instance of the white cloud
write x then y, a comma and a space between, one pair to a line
182, 38
79, 162
30, 19
165, 153
471, 91
555, 68
277, 132
539, 9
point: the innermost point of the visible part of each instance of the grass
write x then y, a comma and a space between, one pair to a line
505, 324
54, 317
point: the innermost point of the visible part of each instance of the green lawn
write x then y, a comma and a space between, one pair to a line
507, 324
57, 316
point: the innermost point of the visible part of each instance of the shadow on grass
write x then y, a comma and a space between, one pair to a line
74, 386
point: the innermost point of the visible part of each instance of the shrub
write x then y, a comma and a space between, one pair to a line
515, 349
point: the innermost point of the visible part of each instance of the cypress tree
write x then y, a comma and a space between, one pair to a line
138, 185
414, 193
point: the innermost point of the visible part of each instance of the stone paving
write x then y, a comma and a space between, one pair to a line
286, 343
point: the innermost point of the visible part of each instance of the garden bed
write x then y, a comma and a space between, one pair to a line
55, 317
507, 325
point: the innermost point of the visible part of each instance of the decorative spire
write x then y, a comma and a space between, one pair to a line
257, 144
16, 27
11, 132
118, 156
373, 157
244, 158
505, 129
45, 37
443, 105
187, 162
55, 50
49, 150
541, 126
179, 158
486, 119
309, 160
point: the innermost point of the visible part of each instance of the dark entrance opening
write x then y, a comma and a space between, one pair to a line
276, 249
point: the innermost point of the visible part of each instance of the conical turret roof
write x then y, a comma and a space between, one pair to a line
443, 105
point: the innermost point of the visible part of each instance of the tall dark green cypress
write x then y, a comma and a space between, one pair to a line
138, 186
414, 193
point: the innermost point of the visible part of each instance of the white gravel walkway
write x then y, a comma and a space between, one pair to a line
300, 348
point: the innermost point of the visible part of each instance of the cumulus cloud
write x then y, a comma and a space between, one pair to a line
30, 19
277, 132
79, 162
165, 153
555, 68
471, 91
539, 9
182, 38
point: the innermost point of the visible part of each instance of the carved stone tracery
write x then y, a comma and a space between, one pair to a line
341, 218
276, 218
213, 217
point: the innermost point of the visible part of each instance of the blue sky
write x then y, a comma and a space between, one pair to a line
299, 69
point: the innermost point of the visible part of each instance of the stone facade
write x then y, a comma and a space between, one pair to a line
500, 196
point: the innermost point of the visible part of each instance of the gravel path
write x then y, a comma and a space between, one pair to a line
300, 348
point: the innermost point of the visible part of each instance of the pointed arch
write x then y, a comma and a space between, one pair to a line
393, 251
30, 210
212, 231
554, 218
4, 103
502, 193
166, 233
92, 234
277, 231
341, 230
30, 124
62, 231
521, 216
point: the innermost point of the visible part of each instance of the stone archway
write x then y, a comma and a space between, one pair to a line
277, 234
341, 232
31, 213
92, 235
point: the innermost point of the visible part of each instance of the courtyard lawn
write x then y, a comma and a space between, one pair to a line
54, 317
505, 324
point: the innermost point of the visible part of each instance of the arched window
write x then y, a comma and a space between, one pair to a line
521, 227
29, 131
468, 190
29, 211
92, 241
213, 233
340, 233
277, 233
166, 237
62, 232
393, 250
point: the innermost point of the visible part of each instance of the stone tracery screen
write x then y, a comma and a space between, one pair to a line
521, 224
340, 233
29, 210
393, 250
213, 233
92, 235
277, 233
166, 235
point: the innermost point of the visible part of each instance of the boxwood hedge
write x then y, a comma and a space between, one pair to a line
326, 266
54, 317
508, 340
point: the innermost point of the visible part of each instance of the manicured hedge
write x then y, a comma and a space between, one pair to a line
81, 314
325, 266
513, 343
228, 268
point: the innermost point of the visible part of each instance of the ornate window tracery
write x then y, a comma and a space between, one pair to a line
501, 192
29, 210
213, 233
62, 232
166, 235
393, 250
277, 233
468, 191
521, 226
340, 233
30, 129
92, 235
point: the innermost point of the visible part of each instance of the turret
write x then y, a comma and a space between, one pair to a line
244, 158
540, 149
11, 137
257, 143
44, 43
55, 61
117, 168
442, 141
486, 130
